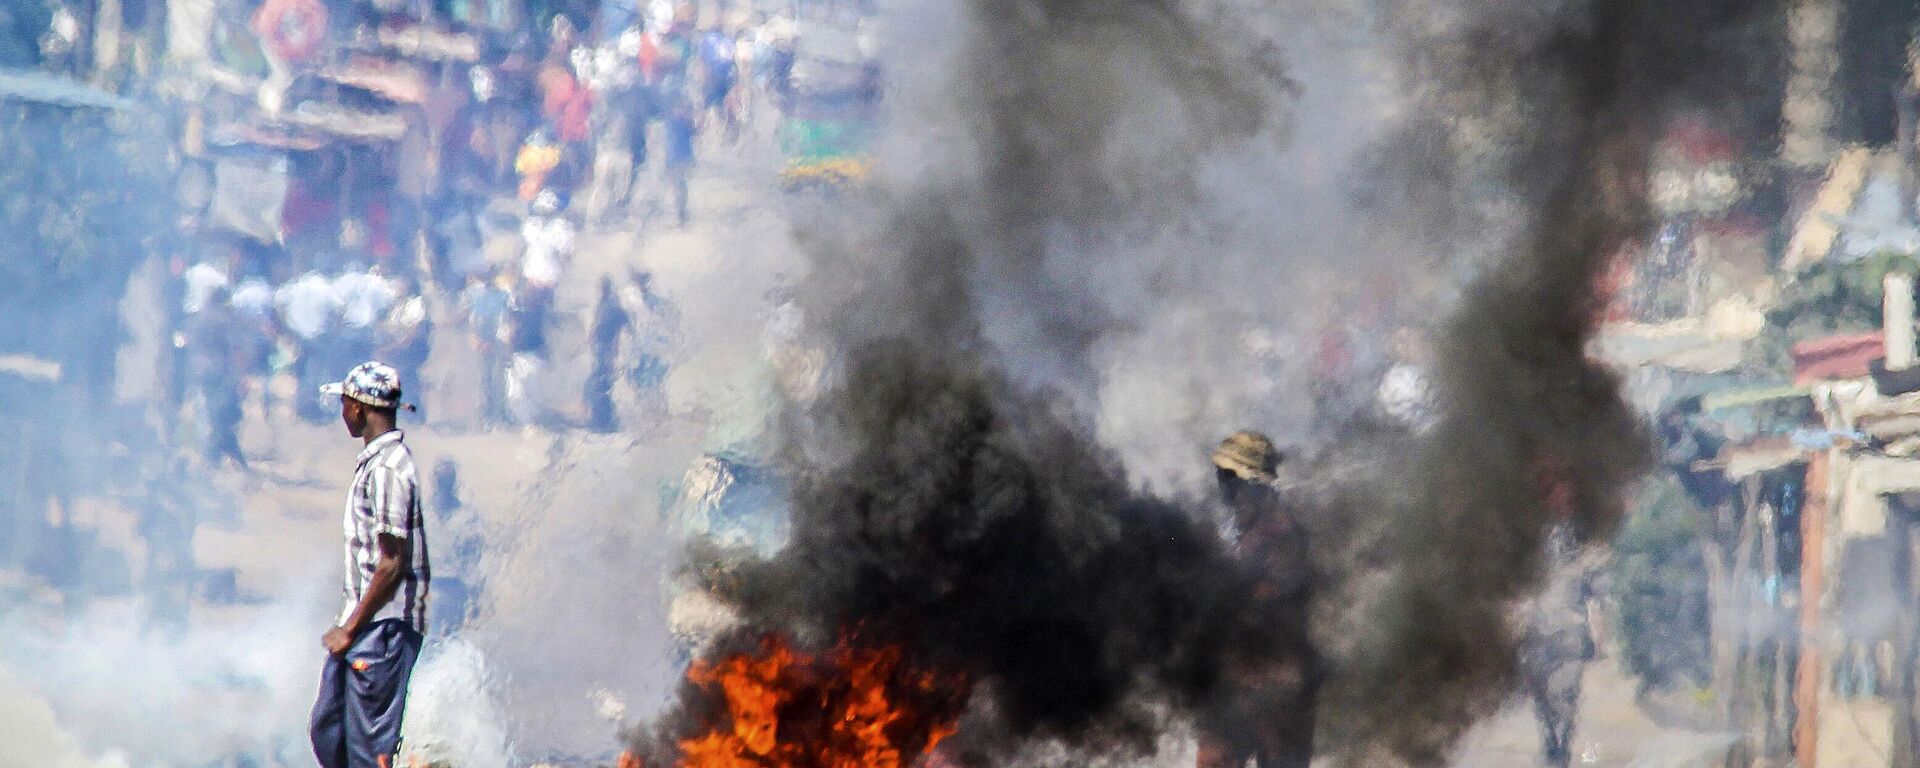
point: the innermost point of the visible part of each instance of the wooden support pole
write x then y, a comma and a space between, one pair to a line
1809, 677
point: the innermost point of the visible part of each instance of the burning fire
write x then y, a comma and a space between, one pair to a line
851, 707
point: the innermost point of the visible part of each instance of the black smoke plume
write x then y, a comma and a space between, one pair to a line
1567, 100
942, 505
950, 496
984, 528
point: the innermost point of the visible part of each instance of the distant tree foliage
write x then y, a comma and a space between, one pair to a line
1841, 295
1659, 580
1828, 298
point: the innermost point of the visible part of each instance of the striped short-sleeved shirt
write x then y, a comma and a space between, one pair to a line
385, 499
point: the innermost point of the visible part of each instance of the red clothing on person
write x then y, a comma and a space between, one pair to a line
572, 123
566, 103
649, 57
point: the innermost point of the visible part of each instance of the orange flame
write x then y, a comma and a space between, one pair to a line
853, 707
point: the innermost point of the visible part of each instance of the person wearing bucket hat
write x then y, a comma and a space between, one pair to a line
1266, 711
371, 650
1247, 455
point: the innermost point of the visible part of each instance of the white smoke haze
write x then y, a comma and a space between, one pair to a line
452, 716
1204, 313
575, 611
235, 683
35, 735
558, 628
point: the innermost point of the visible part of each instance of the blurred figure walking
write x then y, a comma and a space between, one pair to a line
1557, 644
610, 323
214, 336
486, 300
678, 160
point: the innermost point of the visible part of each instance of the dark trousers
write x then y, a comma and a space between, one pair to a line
222, 400
493, 383
1267, 717
363, 695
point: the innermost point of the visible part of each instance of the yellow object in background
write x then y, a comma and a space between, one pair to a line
533, 164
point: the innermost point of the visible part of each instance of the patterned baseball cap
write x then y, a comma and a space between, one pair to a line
374, 383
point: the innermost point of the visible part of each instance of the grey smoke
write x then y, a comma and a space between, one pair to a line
1561, 106
950, 496
1048, 155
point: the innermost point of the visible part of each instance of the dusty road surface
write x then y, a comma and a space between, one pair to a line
1613, 731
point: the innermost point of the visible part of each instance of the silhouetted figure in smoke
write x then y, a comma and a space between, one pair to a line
681, 126
610, 322
1557, 644
213, 333
165, 525
655, 322
1266, 715
528, 310
457, 567
486, 300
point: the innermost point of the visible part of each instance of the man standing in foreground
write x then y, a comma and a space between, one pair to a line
370, 654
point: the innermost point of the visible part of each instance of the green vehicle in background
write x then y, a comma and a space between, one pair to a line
831, 107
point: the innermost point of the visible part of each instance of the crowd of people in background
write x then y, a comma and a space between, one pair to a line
234, 335
593, 119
